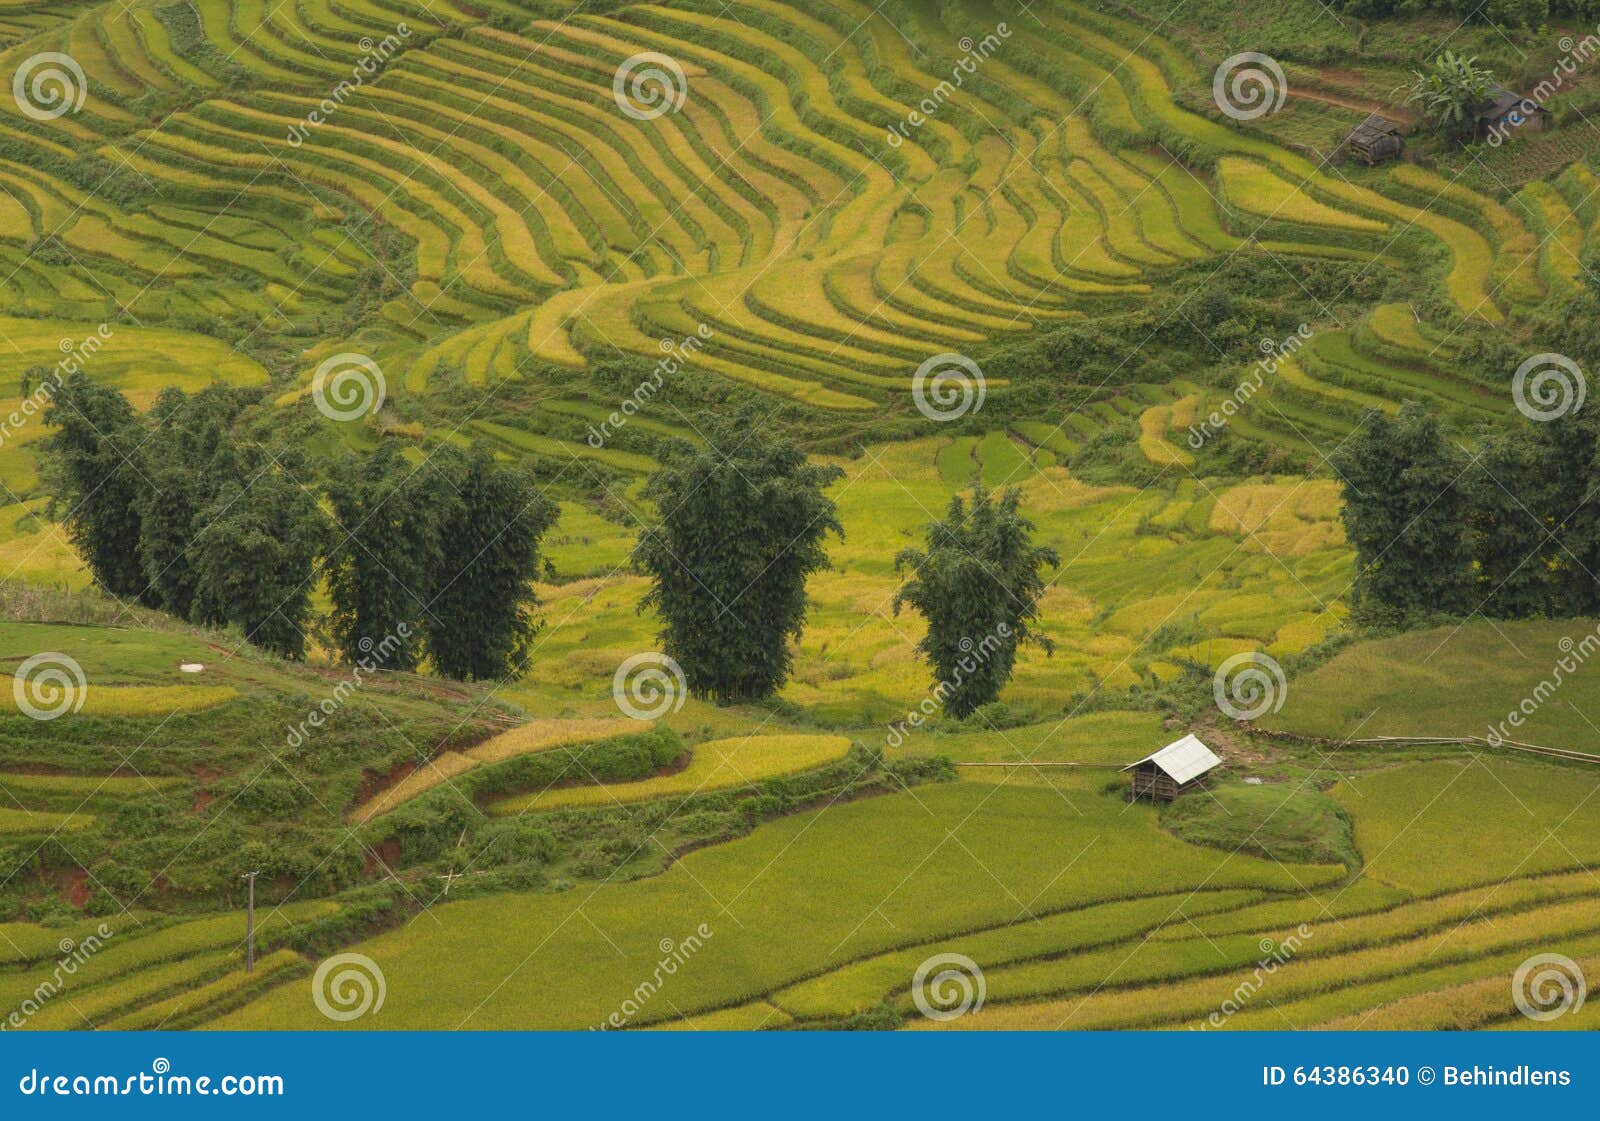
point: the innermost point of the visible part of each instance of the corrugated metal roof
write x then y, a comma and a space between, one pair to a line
1182, 760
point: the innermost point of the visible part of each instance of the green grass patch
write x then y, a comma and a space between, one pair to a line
1278, 821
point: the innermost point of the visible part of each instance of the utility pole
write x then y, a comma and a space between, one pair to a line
250, 925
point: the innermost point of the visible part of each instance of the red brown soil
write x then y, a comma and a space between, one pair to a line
203, 776
384, 858
75, 888
374, 783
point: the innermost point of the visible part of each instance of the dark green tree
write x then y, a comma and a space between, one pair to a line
386, 554
978, 583
1405, 511
1535, 518
1567, 452
36, 377
1507, 535
481, 619
98, 474
181, 464
255, 555
742, 525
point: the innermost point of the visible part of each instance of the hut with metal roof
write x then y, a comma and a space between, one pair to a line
1179, 767
1375, 139
1504, 113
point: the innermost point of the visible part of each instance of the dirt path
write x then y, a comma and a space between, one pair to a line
1355, 105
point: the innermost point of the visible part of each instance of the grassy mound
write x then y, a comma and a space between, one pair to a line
1279, 822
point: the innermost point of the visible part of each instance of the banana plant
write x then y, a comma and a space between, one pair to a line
1449, 91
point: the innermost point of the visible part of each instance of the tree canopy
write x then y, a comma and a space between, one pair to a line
99, 473
978, 583
386, 554
254, 558
1513, 533
742, 524
481, 619
184, 511
188, 461
1405, 511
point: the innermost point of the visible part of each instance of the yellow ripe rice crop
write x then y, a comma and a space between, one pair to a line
163, 1012
1256, 190
1154, 424
537, 735
1284, 519
744, 1017
429, 774
14, 821
1466, 1007
147, 700
1179, 1000
716, 765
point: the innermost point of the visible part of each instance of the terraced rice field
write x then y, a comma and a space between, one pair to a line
126, 972
1439, 959
1399, 687
715, 765
481, 212
537, 736
1417, 950
871, 847
547, 227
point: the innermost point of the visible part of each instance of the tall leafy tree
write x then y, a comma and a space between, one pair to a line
978, 583
1405, 511
743, 523
1567, 453
187, 435
482, 618
1506, 530
387, 552
254, 558
99, 475
1535, 518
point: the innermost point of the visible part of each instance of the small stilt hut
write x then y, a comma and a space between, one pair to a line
1179, 767
1375, 139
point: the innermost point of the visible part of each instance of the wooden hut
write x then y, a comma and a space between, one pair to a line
1375, 139
1505, 112
1179, 767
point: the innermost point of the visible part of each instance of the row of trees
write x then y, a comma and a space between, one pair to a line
1511, 532
176, 511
